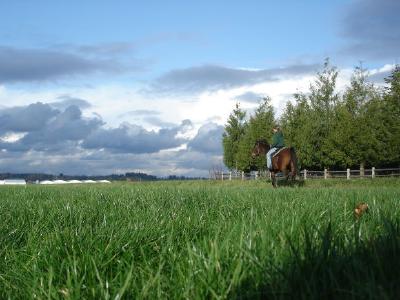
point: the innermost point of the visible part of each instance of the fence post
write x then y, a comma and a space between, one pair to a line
305, 174
222, 175
242, 175
256, 176
362, 170
230, 175
325, 173
348, 173
373, 172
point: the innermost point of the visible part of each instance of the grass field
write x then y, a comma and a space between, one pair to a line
200, 240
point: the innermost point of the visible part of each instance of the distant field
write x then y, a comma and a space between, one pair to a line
200, 240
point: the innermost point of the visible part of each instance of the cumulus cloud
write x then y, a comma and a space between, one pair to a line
61, 132
26, 118
41, 138
131, 138
373, 29
213, 77
66, 101
208, 139
48, 129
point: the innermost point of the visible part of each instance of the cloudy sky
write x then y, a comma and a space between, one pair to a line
100, 87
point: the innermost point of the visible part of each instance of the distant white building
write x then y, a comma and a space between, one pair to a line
14, 181
103, 181
59, 181
46, 182
74, 181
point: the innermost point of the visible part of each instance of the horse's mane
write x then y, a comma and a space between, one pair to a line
262, 142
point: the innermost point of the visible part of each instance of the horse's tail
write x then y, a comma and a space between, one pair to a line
293, 162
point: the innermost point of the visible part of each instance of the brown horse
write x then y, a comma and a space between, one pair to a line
285, 161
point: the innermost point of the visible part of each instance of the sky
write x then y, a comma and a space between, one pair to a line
100, 87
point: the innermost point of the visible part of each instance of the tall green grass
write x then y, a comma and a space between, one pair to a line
197, 240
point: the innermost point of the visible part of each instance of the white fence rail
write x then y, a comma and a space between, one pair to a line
310, 174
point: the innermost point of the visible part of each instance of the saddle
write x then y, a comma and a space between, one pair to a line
277, 152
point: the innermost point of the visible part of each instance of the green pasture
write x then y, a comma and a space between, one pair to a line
200, 240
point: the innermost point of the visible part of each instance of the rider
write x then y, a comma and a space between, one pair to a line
277, 143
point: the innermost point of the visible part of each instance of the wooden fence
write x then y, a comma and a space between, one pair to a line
310, 174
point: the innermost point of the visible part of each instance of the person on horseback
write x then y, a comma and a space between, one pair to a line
277, 143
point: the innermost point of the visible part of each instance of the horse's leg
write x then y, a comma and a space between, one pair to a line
285, 167
293, 171
293, 165
286, 172
273, 179
272, 173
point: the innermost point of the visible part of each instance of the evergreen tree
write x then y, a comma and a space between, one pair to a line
354, 135
390, 120
308, 123
323, 100
234, 131
394, 85
297, 128
259, 127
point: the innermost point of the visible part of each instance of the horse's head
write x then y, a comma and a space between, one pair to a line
260, 147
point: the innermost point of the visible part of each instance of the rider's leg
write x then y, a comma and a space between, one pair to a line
269, 158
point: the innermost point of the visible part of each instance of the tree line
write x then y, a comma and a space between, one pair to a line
356, 127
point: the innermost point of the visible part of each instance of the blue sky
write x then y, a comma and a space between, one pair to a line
175, 34
147, 86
